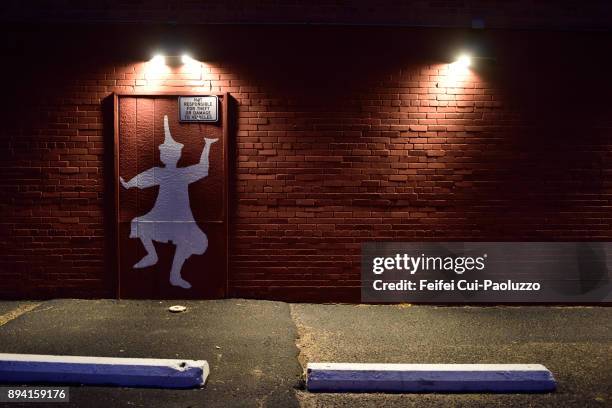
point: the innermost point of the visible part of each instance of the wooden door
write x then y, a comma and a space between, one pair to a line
171, 200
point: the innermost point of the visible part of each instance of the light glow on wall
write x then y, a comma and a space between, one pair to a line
158, 59
458, 71
461, 66
156, 67
163, 67
464, 60
189, 63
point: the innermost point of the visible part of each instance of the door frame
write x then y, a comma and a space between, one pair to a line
224, 97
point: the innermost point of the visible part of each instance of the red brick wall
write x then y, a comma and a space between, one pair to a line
342, 135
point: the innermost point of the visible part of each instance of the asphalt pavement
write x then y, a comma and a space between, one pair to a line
249, 345
257, 350
575, 343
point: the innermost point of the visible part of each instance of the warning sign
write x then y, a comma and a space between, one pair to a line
198, 108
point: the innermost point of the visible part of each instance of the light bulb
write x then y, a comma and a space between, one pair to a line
464, 60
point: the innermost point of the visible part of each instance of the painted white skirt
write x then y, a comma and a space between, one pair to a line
186, 235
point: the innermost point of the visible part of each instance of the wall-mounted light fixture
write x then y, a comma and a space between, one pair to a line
461, 65
158, 59
161, 66
458, 70
174, 60
464, 60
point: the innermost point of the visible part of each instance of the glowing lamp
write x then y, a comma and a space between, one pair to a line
464, 61
158, 59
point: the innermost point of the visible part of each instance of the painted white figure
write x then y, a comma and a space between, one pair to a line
171, 219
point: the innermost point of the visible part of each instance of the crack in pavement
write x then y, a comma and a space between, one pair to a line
304, 337
306, 345
15, 313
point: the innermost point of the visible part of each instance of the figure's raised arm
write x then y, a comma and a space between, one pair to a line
200, 170
143, 180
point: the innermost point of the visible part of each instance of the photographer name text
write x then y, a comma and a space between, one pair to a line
440, 285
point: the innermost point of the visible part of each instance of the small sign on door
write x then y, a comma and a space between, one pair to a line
198, 108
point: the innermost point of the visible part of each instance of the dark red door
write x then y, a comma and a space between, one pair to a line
172, 201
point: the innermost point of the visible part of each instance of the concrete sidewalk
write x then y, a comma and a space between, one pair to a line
251, 348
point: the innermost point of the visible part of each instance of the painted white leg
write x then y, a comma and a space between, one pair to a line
175, 274
180, 282
150, 258
147, 260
